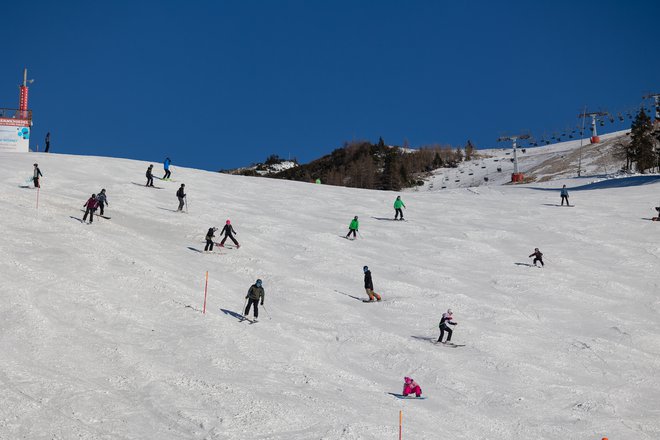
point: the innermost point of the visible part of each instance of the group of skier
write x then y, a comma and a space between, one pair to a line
227, 230
95, 201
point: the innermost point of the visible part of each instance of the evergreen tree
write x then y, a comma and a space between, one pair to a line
642, 142
381, 143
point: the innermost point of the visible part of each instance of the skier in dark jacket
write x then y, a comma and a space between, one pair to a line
369, 285
47, 140
655, 219
103, 200
181, 195
564, 196
150, 176
446, 320
91, 204
166, 167
253, 296
37, 174
228, 230
209, 239
538, 256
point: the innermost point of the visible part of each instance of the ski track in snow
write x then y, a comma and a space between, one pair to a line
103, 335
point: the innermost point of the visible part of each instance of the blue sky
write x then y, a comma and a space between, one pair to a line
220, 84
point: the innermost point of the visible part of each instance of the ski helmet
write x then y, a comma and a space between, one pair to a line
356, 217
449, 311
93, 196
36, 165
258, 283
183, 184
536, 249
103, 190
365, 269
228, 222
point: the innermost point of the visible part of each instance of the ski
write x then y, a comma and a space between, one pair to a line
448, 344
368, 301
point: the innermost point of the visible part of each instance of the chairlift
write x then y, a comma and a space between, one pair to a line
620, 116
611, 119
499, 169
524, 150
602, 123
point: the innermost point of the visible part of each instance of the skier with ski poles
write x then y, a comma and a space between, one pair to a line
254, 295
181, 195
209, 239
101, 198
564, 196
446, 320
353, 227
369, 285
150, 176
37, 174
538, 256
166, 167
398, 204
91, 204
228, 230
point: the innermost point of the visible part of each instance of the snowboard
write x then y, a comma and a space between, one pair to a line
408, 397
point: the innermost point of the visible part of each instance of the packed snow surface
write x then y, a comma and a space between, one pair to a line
103, 336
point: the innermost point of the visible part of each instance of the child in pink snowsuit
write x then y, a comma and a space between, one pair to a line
410, 386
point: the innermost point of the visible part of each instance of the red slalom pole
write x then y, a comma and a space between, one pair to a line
400, 424
38, 188
206, 287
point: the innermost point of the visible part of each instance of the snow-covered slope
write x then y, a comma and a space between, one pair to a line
102, 335
494, 166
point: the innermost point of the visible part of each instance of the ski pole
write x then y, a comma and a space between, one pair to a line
358, 231
243, 309
186, 200
266, 311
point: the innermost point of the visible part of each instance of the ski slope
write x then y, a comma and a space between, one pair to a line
102, 335
493, 166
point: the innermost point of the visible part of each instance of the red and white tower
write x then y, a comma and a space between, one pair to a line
15, 123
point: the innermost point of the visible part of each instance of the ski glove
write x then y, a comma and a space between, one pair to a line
262, 303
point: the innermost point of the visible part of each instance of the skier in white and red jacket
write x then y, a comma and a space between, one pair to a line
445, 322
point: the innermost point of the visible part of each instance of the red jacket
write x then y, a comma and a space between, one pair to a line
92, 203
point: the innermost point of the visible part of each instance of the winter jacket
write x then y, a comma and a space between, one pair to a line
447, 318
37, 172
368, 283
166, 164
256, 292
92, 203
398, 203
210, 234
148, 174
564, 192
227, 230
102, 199
180, 192
354, 225
537, 254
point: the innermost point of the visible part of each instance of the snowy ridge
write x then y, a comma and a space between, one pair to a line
549, 162
103, 338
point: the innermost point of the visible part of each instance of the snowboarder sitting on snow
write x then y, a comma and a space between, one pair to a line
398, 204
209, 239
253, 296
181, 195
103, 200
166, 167
228, 230
564, 196
91, 204
369, 285
446, 320
37, 174
538, 256
353, 227
410, 386
150, 176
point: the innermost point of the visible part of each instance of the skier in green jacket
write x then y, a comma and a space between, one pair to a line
353, 227
398, 204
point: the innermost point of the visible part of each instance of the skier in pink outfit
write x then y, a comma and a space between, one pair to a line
410, 386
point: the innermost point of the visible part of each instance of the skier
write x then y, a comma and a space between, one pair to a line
410, 386
102, 199
150, 176
91, 206
564, 196
209, 239
228, 230
369, 285
166, 166
181, 196
37, 174
253, 296
398, 203
47, 140
353, 227
538, 256
446, 320
655, 219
